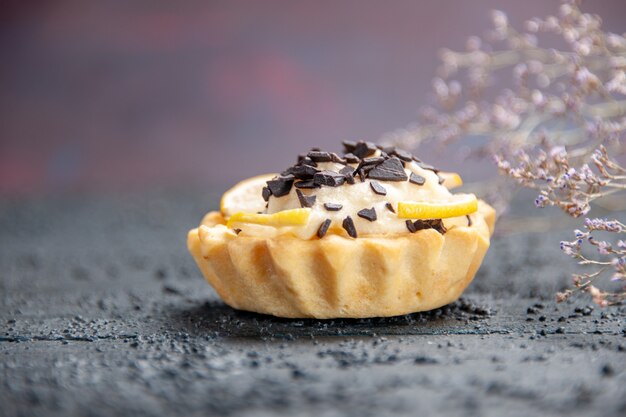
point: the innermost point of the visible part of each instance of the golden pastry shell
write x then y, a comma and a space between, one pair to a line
337, 276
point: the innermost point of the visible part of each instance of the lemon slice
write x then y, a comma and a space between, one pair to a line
294, 217
457, 205
245, 196
451, 180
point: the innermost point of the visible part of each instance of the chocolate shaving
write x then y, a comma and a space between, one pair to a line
372, 161
469, 220
280, 185
336, 158
363, 149
305, 201
389, 170
266, 193
306, 184
436, 224
368, 214
302, 172
417, 225
426, 166
390, 207
323, 228
348, 225
388, 165
377, 188
348, 145
319, 156
329, 178
367, 168
333, 206
402, 154
347, 171
351, 158
417, 179
308, 161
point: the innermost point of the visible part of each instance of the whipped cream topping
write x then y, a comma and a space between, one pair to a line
358, 196
353, 198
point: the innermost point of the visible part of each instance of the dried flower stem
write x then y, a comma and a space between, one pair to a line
553, 130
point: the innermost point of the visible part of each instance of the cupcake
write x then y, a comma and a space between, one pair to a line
373, 232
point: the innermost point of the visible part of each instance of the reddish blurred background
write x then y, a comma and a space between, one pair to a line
100, 95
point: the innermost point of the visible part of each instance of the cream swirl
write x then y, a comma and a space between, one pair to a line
353, 198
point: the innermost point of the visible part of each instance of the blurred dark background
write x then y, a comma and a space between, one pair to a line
121, 95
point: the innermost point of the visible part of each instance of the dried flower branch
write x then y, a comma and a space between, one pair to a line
570, 188
616, 264
550, 124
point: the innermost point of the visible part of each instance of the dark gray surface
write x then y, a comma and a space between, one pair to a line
102, 312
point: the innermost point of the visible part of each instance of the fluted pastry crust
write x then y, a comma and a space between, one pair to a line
372, 276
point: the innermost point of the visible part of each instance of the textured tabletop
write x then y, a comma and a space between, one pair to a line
102, 312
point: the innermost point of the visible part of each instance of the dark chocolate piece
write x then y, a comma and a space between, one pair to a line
333, 206
351, 158
348, 225
280, 185
428, 167
375, 160
417, 225
469, 220
302, 172
368, 214
417, 179
436, 224
347, 171
305, 201
329, 178
390, 207
364, 149
402, 154
348, 145
323, 228
367, 168
336, 158
306, 184
266, 193
389, 170
308, 161
377, 188
319, 156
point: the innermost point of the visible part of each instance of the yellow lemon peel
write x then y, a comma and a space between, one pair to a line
294, 217
455, 206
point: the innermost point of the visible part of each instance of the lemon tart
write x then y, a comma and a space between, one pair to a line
370, 232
